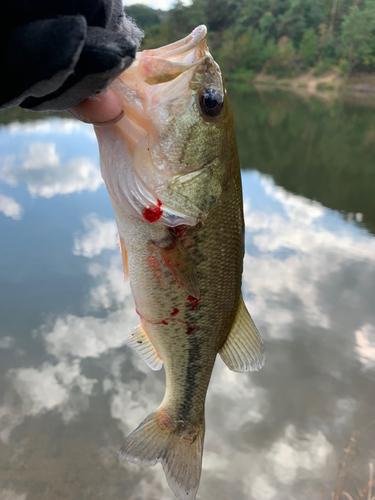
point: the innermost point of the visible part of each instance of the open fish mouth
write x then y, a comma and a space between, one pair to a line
160, 139
181, 54
182, 47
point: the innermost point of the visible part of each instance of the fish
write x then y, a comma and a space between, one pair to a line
171, 168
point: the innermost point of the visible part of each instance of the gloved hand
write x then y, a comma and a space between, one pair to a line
56, 53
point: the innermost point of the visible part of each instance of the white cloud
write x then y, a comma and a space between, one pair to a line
10, 208
297, 207
345, 409
45, 176
100, 234
49, 387
295, 451
262, 490
110, 289
41, 155
12, 495
6, 342
296, 254
156, 4
131, 402
70, 339
365, 338
154, 487
237, 397
88, 336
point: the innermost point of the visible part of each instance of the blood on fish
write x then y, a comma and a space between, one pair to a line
190, 330
179, 231
152, 262
175, 311
153, 213
194, 301
164, 322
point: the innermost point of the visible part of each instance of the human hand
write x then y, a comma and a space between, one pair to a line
56, 54
100, 109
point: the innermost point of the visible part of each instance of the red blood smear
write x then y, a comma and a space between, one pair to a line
152, 262
180, 230
190, 330
164, 322
153, 213
194, 301
175, 311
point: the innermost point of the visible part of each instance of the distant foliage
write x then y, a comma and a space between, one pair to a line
283, 37
143, 15
284, 63
358, 35
309, 47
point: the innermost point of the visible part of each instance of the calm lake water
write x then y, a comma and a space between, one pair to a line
69, 393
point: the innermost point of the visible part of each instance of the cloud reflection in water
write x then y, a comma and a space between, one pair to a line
10, 208
267, 433
44, 174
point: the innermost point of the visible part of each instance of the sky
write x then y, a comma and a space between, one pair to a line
155, 4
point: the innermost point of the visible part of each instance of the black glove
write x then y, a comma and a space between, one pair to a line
55, 53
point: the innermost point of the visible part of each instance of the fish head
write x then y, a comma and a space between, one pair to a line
165, 157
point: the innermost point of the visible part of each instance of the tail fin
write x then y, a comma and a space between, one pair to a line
176, 445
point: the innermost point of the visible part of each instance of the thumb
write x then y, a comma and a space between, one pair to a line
99, 109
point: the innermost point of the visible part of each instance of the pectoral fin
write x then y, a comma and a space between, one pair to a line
180, 264
243, 351
140, 342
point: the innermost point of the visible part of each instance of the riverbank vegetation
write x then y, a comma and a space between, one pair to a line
283, 38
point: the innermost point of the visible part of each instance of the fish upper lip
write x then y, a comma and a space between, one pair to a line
175, 51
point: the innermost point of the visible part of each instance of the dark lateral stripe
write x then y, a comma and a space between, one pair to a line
194, 366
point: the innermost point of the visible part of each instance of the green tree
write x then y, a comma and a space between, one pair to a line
227, 54
283, 62
266, 23
143, 15
308, 48
358, 35
250, 46
251, 34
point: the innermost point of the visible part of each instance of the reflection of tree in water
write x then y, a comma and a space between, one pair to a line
21, 115
325, 152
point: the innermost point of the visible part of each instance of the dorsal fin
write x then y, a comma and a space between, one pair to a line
243, 351
139, 341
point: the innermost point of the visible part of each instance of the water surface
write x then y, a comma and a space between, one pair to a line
69, 393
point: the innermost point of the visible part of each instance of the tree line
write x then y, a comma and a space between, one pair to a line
279, 37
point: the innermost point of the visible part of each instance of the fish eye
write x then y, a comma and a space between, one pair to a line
211, 102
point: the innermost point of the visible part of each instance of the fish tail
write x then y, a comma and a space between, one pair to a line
177, 445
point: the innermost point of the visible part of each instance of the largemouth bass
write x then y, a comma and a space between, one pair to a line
172, 170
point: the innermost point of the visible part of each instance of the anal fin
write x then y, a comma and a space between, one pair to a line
139, 341
180, 264
243, 351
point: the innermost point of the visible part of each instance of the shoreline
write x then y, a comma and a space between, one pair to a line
359, 88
